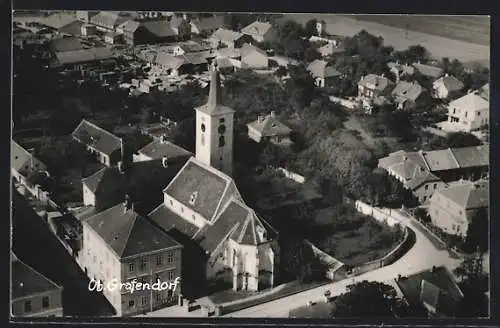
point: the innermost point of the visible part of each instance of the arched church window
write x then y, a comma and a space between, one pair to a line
222, 141
202, 127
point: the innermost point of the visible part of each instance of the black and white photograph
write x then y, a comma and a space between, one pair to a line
249, 165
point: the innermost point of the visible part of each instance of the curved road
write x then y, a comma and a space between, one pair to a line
423, 255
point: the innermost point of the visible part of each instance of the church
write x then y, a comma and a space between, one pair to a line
202, 207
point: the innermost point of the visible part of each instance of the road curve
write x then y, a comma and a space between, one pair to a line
423, 255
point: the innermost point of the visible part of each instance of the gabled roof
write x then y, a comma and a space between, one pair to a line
450, 82
169, 221
270, 127
170, 61
143, 181
20, 157
226, 35
247, 49
127, 233
65, 44
92, 135
25, 281
320, 68
107, 18
470, 102
210, 185
430, 295
238, 222
160, 28
329, 49
407, 91
208, 23
467, 194
58, 20
375, 82
484, 92
192, 46
228, 52
257, 28
441, 279
157, 149
440, 160
129, 26
83, 55
472, 156
427, 70
401, 68
74, 28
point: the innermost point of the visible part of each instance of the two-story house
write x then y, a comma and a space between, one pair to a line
408, 95
269, 128
260, 31
453, 207
106, 146
120, 246
468, 113
32, 294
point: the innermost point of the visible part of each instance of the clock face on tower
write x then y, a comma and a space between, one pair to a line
202, 127
222, 128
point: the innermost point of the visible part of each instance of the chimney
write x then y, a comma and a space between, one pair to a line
273, 113
164, 161
433, 270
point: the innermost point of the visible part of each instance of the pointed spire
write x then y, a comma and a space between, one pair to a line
214, 96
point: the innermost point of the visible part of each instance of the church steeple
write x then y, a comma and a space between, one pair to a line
214, 96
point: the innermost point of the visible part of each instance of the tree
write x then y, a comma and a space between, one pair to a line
474, 282
310, 28
366, 299
421, 214
462, 139
477, 232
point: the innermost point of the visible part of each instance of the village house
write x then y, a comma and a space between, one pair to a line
260, 31
160, 148
64, 44
112, 38
453, 207
323, 74
162, 31
58, 21
269, 128
205, 26
119, 245
202, 203
134, 33
409, 95
231, 39
432, 293
76, 60
106, 146
330, 49
88, 30
85, 15
425, 172
253, 57
446, 86
32, 294
181, 27
372, 86
24, 163
187, 47
107, 21
400, 70
142, 181
429, 71
468, 113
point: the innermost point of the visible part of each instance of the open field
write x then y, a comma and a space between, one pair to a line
401, 39
473, 29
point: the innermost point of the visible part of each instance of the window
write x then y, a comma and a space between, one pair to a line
425, 198
203, 127
170, 257
222, 120
45, 302
131, 267
454, 110
193, 197
435, 186
88, 251
182, 209
144, 300
158, 297
222, 141
193, 217
27, 306
131, 303
478, 113
222, 128
426, 187
143, 264
171, 275
465, 114
158, 260
94, 259
171, 203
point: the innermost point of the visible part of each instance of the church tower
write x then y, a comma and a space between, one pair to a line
214, 129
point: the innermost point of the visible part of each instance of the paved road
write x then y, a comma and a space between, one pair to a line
401, 39
423, 255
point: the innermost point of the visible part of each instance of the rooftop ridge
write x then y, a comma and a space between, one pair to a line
135, 216
454, 158
225, 237
90, 176
103, 130
38, 273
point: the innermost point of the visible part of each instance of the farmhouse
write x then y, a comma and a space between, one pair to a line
323, 73
446, 86
269, 128
260, 31
408, 95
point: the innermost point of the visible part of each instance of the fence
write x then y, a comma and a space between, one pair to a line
291, 175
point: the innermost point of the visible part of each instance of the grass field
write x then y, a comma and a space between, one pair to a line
446, 37
473, 29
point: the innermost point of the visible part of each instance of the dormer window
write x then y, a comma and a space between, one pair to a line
193, 197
